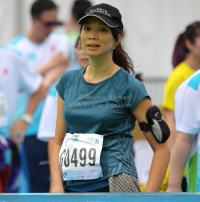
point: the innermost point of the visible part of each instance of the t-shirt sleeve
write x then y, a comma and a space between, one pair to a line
135, 93
170, 89
63, 45
29, 79
60, 86
47, 125
187, 111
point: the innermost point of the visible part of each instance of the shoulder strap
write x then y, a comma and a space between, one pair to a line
145, 127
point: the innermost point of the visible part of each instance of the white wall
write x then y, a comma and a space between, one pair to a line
8, 20
151, 27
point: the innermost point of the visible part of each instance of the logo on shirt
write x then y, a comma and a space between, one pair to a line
53, 48
31, 56
75, 137
5, 72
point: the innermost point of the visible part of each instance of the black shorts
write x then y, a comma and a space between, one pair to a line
37, 164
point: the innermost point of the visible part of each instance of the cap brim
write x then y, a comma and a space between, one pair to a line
105, 20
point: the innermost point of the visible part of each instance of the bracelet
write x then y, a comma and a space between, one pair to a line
27, 118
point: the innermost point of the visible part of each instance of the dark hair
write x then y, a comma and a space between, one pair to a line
139, 76
77, 40
79, 8
120, 57
180, 50
40, 6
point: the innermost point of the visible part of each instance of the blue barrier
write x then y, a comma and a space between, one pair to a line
103, 197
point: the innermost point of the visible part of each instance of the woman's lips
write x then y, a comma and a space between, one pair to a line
85, 60
93, 46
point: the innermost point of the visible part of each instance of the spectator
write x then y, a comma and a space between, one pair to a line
15, 75
188, 43
187, 143
187, 46
46, 52
73, 28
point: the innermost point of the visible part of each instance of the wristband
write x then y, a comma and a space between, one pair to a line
27, 118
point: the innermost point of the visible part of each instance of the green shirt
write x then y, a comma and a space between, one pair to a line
103, 108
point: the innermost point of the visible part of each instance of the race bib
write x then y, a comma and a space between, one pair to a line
3, 110
79, 156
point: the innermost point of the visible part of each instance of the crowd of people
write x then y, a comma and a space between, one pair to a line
69, 103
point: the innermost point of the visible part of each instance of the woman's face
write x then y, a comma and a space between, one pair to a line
81, 56
96, 38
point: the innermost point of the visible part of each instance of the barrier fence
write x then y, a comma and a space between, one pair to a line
102, 197
155, 88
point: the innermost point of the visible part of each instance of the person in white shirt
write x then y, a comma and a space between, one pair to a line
16, 75
187, 144
47, 53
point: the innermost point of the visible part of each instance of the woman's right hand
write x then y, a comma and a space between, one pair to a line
56, 189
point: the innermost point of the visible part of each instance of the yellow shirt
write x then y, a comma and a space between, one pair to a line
180, 74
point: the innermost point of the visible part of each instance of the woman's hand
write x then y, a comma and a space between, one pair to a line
56, 189
17, 131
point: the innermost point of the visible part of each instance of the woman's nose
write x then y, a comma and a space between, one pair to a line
93, 35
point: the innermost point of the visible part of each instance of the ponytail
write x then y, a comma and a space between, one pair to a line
120, 57
180, 51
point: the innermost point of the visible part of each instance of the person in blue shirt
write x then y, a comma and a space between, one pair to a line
97, 109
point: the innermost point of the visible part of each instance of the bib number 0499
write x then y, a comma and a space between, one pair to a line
77, 157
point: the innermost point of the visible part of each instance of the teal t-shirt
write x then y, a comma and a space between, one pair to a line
103, 108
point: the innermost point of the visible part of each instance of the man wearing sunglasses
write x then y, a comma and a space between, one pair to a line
47, 52
50, 23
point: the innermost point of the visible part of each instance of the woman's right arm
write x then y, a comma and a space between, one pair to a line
56, 173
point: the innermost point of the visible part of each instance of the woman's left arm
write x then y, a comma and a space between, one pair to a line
161, 150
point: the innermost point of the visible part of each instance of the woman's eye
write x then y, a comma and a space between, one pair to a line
86, 28
102, 30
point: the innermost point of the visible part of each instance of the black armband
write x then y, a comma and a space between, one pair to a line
156, 124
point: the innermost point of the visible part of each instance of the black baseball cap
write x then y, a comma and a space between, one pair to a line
107, 13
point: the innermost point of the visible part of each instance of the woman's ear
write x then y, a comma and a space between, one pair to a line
188, 44
116, 43
119, 38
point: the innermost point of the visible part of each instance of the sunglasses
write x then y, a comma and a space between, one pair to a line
50, 23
